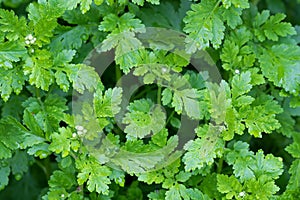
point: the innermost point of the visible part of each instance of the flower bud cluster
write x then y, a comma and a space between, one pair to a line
29, 39
80, 131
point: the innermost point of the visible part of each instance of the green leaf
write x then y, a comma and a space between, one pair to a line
10, 137
11, 52
62, 80
179, 191
204, 25
149, 78
47, 113
32, 124
229, 185
160, 138
294, 170
233, 124
108, 105
127, 22
13, 26
98, 2
261, 116
141, 2
246, 165
236, 3
256, 77
294, 148
202, 151
219, 101
13, 80
62, 179
71, 38
40, 150
141, 158
166, 96
209, 186
271, 27
188, 100
56, 193
232, 16
143, 119
4, 173
236, 52
241, 84
63, 142
262, 188
127, 51
39, 14
157, 195
95, 175
63, 57
85, 5
39, 69
19, 163
280, 64
83, 77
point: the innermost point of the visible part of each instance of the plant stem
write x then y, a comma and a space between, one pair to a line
159, 95
43, 167
118, 73
220, 165
169, 118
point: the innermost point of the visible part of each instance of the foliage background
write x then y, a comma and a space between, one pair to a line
40, 157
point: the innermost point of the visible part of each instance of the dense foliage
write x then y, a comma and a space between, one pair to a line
70, 131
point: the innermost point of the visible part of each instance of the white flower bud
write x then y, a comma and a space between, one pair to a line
29, 37
79, 128
80, 133
242, 194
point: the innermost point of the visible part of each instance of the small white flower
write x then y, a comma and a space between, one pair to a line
74, 135
29, 37
62, 196
80, 133
242, 194
164, 70
79, 128
237, 71
32, 41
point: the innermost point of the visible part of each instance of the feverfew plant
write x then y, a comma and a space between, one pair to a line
149, 99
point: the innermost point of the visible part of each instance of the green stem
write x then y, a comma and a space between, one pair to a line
43, 167
158, 100
118, 74
73, 155
169, 118
139, 95
220, 165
